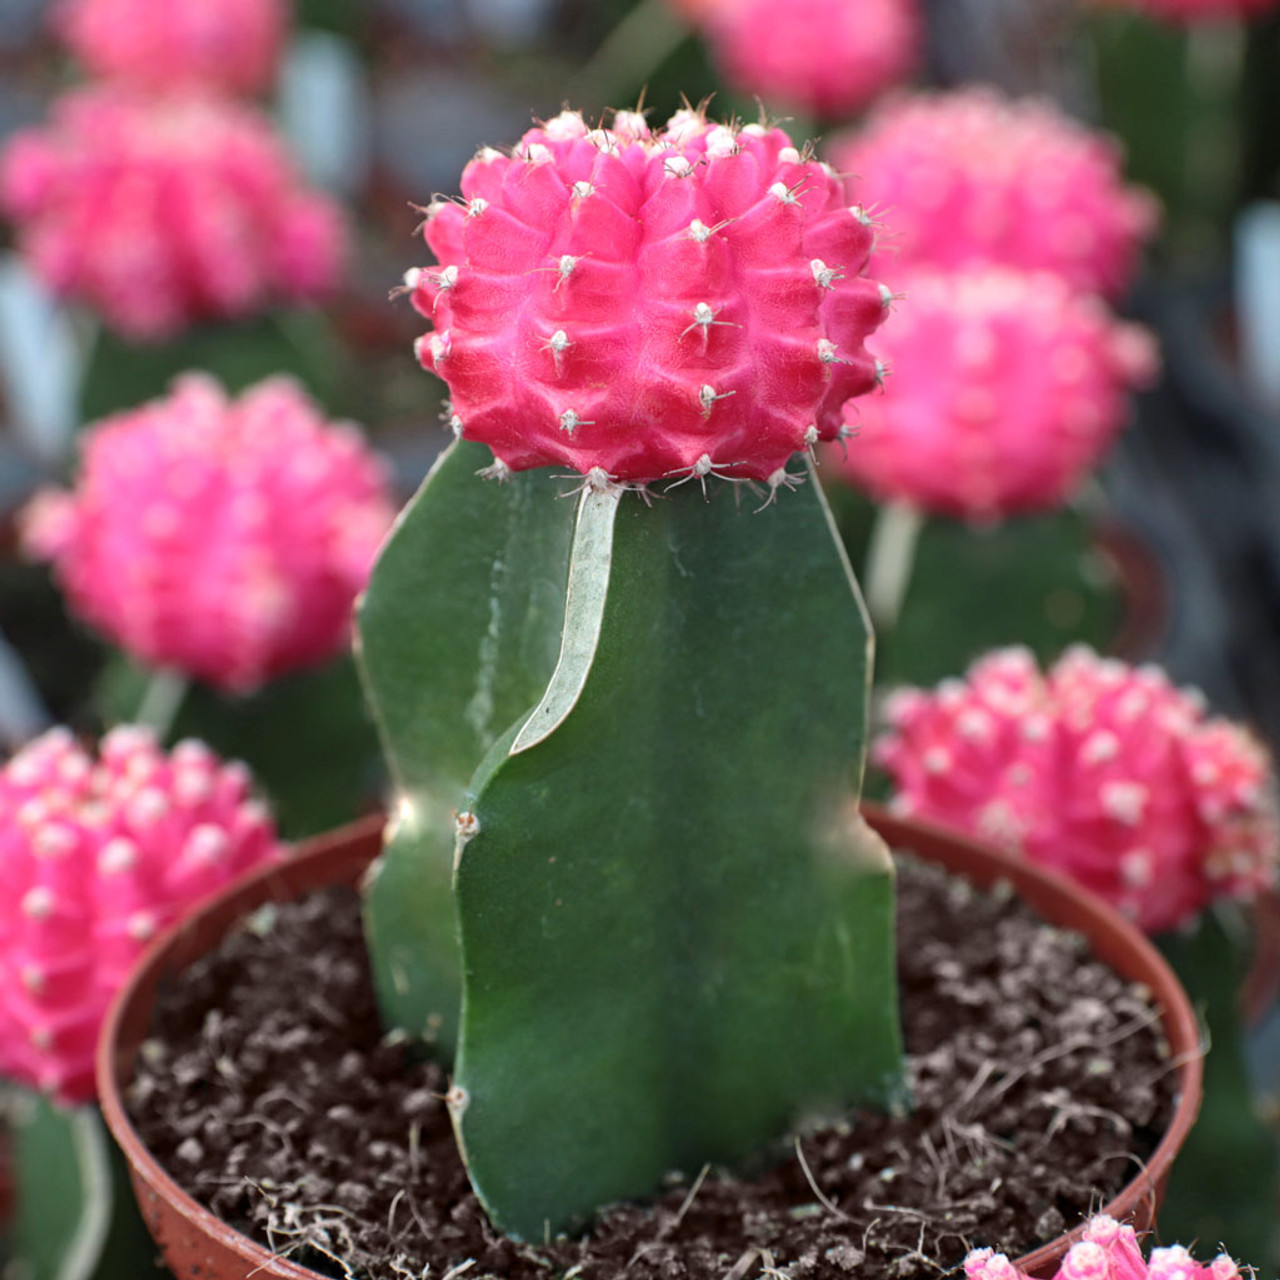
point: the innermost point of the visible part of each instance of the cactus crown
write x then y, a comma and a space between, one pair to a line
300, 506
975, 177
821, 56
96, 857
164, 211
1009, 386
1103, 771
649, 305
233, 45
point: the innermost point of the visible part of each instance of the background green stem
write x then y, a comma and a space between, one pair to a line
630, 54
75, 1215
890, 559
1215, 74
161, 701
676, 933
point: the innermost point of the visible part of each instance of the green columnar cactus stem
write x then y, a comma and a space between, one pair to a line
676, 933
458, 634
75, 1216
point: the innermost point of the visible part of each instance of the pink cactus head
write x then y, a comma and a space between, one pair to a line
1108, 1252
1007, 388
1119, 1243
1103, 772
973, 176
161, 212
643, 305
828, 57
231, 45
986, 1264
1190, 11
97, 856
225, 539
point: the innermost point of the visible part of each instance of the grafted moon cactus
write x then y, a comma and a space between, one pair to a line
1101, 771
231, 45
828, 57
649, 305
161, 211
97, 855
972, 176
1109, 1251
625, 878
1008, 388
224, 539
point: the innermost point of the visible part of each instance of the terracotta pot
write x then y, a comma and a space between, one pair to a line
194, 1242
1118, 944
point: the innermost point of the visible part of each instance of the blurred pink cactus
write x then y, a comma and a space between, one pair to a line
1104, 772
828, 57
160, 212
1108, 1251
1006, 389
224, 539
96, 858
231, 45
649, 305
972, 176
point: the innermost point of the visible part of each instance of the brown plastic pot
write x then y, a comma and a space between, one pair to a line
194, 1242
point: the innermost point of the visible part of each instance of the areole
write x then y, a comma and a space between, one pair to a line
194, 1242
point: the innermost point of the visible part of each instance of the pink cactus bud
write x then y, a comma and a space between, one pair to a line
224, 539
1086, 1260
1104, 772
983, 1264
88, 877
231, 45
828, 57
1190, 11
972, 176
640, 305
1107, 1252
160, 212
1120, 1242
1007, 388
1224, 1268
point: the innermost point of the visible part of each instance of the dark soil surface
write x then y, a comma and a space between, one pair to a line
1040, 1084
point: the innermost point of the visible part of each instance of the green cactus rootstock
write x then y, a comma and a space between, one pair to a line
458, 633
75, 1216
676, 934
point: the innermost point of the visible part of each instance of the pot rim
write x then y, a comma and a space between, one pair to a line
1098, 921
113, 1065
1110, 936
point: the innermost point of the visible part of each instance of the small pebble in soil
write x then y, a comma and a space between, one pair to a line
1040, 1083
